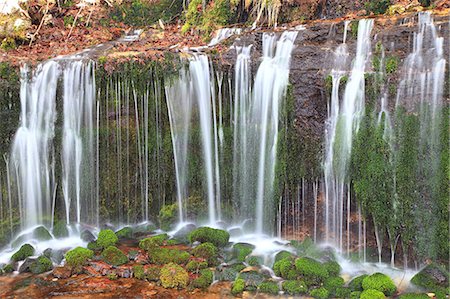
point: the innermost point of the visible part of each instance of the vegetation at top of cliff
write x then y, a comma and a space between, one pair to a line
377, 7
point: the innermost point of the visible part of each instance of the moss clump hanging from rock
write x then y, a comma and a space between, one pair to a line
106, 238
25, 251
174, 276
114, 256
78, 257
217, 237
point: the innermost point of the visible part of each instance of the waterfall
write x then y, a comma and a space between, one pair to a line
32, 157
78, 142
343, 121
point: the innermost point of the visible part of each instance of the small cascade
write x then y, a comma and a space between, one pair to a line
222, 34
342, 122
32, 161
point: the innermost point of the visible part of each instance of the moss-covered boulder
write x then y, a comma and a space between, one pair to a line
242, 250
195, 266
319, 293
228, 272
311, 270
294, 287
60, 230
125, 233
148, 244
333, 268
87, 236
282, 255
25, 251
253, 278
372, 294
8, 268
160, 239
206, 251
204, 280
173, 276
342, 292
139, 272
78, 257
40, 233
285, 268
152, 273
238, 286
167, 216
217, 237
355, 295
269, 287
379, 282
333, 283
254, 260
106, 238
356, 283
163, 256
431, 278
114, 256
94, 246
41, 265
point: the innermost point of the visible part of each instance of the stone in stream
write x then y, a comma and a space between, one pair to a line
25, 267
87, 236
183, 232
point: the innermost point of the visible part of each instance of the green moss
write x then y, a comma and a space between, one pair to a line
242, 250
391, 64
206, 251
152, 273
196, 266
217, 237
148, 244
160, 239
414, 296
204, 280
379, 282
342, 292
377, 7
41, 233
139, 272
356, 283
354, 28
106, 238
173, 276
372, 294
8, 43
333, 283
78, 257
294, 287
94, 246
163, 256
426, 281
126, 232
112, 276
114, 256
282, 255
311, 270
320, 293
285, 268
8, 268
269, 287
167, 216
41, 265
254, 260
355, 295
238, 286
25, 251
333, 268
60, 230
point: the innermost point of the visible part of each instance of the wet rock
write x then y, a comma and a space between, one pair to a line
431, 278
235, 232
25, 267
87, 236
41, 234
62, 272
183, 232
101, 268
228, 272
252, 277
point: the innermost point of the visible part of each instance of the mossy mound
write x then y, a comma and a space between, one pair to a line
60, 230
319, 293
148, 244
167, 216
294, 287
41, 265
333, 268
125, 233
160, 239
282, 255
356, 283
8, 268
106, 238
139, 272
173, 276
78, 257
285, 268
195, 266
163, 256
204, 280
431, 278
379, 282
152, 273
217, 237
41, 234
206, 251
25, 251
372, 294
238, 286
242, 250
333, 283
269, 287
311, 270
114, 256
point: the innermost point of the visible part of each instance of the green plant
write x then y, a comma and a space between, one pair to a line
195, 266
41, 265
333, 283
427, 281
126, 232
269, 287
148, 244
313, 271
173, 276
356, 283
320, 293
68, 21
78, 257
152, 273
372, 294
139, 272
391, 64
379, 282
377, 7
238, 286
8, 268
94, 246
41, 233
355, 295
217, 237
60, 230
167, 216
242, 250
294, 287
106, 238
204, 280
8, 43
163, 256
333, 268
342, 292
114, 256
285, 268
25, 251
282, 255
206, 251
254, 260
160, 239
112, 276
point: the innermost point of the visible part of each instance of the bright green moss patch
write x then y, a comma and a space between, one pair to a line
285, 268
173, 276
148, 244
107, 238
238, 286
206, 251
356, 283
242, 250
163, 256
41, 265
333, 283
320, 293
196, 266
217, 237
25, 251
294, 287
414, 296
269, 287
204, 280
379, 282
114, 256
78, 257
372, 294
139, 272
312, 270
126, 232
427, 281
167, 216
332, 267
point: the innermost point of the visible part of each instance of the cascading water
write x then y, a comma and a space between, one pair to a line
32, 158
343, 121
